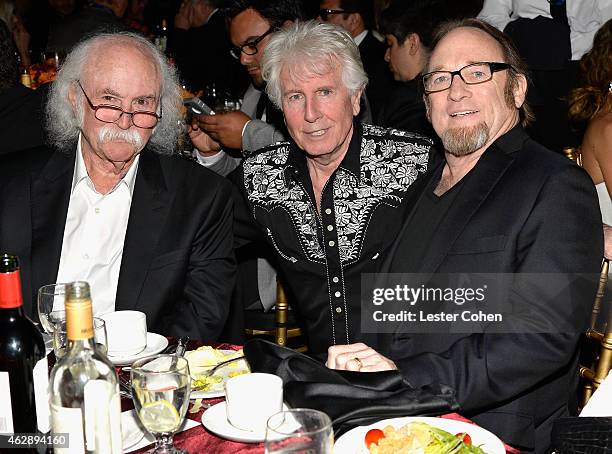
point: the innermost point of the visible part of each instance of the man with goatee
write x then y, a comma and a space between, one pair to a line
498, 203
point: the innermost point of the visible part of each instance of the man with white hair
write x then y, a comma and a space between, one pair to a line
148, 230
330, 201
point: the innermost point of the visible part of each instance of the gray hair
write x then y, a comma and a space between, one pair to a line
63, 123
316, 47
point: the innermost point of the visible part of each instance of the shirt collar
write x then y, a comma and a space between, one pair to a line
81, 176
360, 37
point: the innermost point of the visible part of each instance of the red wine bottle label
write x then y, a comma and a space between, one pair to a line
10, 290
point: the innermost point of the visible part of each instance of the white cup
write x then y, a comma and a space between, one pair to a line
126, 332
251, 399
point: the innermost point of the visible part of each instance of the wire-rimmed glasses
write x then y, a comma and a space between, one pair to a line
472, 74
250, 47
110, 114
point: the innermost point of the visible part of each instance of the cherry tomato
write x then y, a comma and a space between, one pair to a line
373, 436
464, 438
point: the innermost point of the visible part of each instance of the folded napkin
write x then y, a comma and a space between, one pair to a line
349, 398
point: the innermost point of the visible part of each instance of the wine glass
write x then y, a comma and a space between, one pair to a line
51, 310
60, 340
299, 430
160, 390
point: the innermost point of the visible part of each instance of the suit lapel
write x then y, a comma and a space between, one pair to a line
50, 198
479, 184
150, 206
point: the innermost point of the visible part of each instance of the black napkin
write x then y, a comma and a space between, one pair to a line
349, 398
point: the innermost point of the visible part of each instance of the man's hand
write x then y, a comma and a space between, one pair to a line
357, 357
182, 19
202, 141
607, 241
225, 128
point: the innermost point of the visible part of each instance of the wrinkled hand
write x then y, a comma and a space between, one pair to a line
202, 141
225, 128
607, 230
343, 357
184, 16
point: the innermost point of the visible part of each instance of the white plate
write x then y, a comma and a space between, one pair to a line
218, 389
352, 442
155, 344
215, 420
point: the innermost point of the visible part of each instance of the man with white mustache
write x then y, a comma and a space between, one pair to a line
495, 202
112, 204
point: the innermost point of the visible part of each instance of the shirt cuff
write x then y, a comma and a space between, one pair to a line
244, 129
207, 161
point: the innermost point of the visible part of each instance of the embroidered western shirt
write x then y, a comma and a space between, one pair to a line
322, 255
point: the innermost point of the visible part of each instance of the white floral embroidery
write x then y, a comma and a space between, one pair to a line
390, 162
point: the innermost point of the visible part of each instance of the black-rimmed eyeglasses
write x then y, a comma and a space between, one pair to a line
110, 114
250, 47
475, 73
325, 13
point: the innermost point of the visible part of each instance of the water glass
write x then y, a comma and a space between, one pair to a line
60, 340
50, 306
160, 390
299, 430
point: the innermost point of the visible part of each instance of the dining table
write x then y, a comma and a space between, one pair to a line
199, 440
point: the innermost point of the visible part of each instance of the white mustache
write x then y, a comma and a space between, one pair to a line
112, 134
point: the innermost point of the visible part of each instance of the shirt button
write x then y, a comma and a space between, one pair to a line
338, 294
338, 310
335, 279
330, 227
332, 243
327, 210
86, 256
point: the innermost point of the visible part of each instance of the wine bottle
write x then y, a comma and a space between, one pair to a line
84, 390
23, 364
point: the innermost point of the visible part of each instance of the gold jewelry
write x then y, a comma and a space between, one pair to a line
358, 361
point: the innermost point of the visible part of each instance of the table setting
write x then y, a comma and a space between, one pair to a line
181, 395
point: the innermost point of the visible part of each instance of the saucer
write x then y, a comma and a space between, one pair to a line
215, 420
155, 344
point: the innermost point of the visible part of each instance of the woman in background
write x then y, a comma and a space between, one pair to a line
21, 37
591, 102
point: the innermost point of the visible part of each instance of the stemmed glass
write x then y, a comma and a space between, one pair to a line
51, 310
299, 430
160, 390
60, 339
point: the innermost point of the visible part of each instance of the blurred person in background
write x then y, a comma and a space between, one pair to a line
201, 47
20, 35
96, 17
357, 18
591, 103
135, 18
21, 116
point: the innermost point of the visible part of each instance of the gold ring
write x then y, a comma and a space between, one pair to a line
358, 361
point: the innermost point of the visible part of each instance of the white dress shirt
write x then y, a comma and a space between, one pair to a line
584, 17
94, 233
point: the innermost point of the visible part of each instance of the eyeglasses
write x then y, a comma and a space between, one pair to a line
325, 13
250, 47
110, 114
475, 73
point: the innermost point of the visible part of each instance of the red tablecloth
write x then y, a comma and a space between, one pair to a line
199, 440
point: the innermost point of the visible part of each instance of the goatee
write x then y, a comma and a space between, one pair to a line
464, 141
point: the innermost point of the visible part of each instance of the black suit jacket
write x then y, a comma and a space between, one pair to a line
523, 209
380, 80
178, 264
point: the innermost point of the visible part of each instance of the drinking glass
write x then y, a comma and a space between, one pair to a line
160, 390
299, 430
60, 340
50, 306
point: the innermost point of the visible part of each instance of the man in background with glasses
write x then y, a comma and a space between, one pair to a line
357, 18
258, 123
495, 202
112, 204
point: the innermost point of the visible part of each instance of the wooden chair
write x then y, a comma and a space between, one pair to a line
284, 330
602, 338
